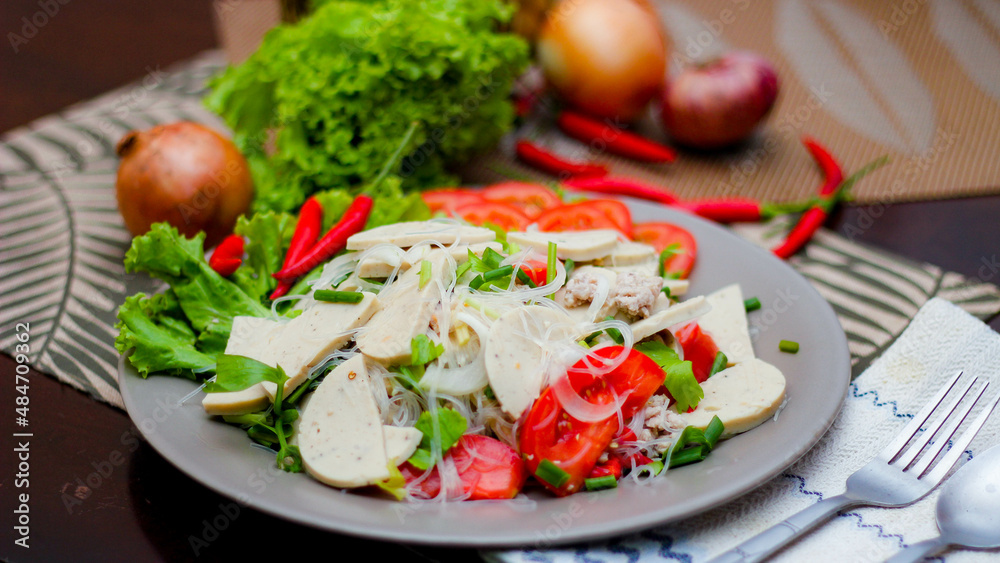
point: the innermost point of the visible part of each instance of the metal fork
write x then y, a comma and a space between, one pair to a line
895, 477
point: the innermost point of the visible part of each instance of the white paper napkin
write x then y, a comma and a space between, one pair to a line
940, 340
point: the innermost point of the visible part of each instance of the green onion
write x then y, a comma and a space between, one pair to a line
462, 268
331, 296
550, 272
489, 393
720, 363
289, 415
666, 291
686, 456
694, 445
614, 333
751, 304
551, 473
600, 483
714, 430
656, 467
245, 419
788, 346
525, 279
498, 273
477, 282
425, 273
492, 258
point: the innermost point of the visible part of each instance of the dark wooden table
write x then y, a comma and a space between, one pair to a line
136, 506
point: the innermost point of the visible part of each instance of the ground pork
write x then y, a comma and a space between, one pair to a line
635, 293
580, 289
660, 421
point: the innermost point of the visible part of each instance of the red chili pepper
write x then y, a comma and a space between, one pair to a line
227, 256
621, 186
813, 219
615, 140
333, 241
556, 165
305, 235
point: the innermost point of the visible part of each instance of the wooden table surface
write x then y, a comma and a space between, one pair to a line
138, 507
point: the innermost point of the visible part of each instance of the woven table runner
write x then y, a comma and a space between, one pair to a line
62, 241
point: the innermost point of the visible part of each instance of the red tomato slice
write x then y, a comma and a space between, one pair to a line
550, 433
580, 216
507, 217
611, 467
662, 235
536, 271
699, 348
487, 468
616, 211
531, 199
449, 200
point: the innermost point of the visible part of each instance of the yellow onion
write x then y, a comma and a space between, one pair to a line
183, 173
604, 57
721, 102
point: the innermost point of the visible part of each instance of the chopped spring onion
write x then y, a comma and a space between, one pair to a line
720, 363
666, 291
570, 266
614, 333
752, 304
332, 296
600, 483
788, 346
694, 444
425, 273
498, 273
525, 279
550, 272
492, 258
248, 419
477, 282
462, 268
551, 473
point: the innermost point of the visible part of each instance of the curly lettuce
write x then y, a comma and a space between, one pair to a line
339, 89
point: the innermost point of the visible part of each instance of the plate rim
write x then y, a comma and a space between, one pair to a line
588, 532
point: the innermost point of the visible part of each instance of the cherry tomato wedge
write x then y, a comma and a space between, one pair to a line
535, 270
663, 235
507, 217
487, 469
611, 467
449, 200
531, 199
586, 215
550, 433
699, 349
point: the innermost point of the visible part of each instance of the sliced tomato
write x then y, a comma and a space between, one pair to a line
611, 467
550, 433
616, 211
531, 199
579, 216
507, 217
449, 200
699, 349
487, 468
663, 235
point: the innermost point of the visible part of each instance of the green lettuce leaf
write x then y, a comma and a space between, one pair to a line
267, 235
161, 338
679, 380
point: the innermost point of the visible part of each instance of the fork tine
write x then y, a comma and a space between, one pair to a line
906, 459
904, 436
935, 449
960, 445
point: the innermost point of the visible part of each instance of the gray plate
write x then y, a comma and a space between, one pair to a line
222, 458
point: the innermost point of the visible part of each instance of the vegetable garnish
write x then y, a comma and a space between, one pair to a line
227, 256
554, 164
788, 346
441, 428
425, 273
751, 304
600, 483
332, 296
333, 241
307, 230
551, 473
340, 87
720, 363
679, 381
615, 140
621, 186
423, 350
694, 445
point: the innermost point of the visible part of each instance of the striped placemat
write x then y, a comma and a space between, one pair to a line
62, 241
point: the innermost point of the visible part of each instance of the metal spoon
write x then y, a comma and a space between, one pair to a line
968, 510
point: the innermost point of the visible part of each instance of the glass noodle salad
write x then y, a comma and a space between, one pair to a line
439, 360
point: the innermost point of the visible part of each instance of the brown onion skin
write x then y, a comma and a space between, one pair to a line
183, 173
606, 58
720, 103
